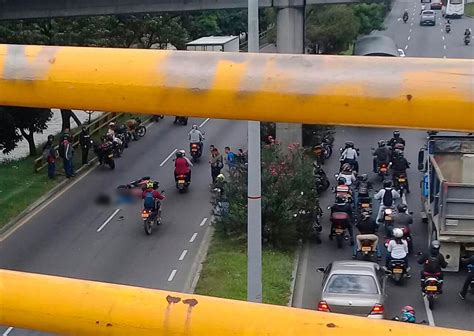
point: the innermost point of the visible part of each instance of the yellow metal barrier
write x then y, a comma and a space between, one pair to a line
369, 91
78, 307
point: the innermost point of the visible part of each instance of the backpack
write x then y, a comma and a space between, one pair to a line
149, 200
387, 198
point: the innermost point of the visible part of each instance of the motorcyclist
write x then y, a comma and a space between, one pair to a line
401, 218
367, 230
132, 127
396, 139
447, 26
182, 166
381, 155
469, 279
343, 190
405, 16
397, 248
151, 196
467, 33
111, 134
399, 166
423, 7
342, 205
196, 137
349, 155
387, 197
347, 174
433, 262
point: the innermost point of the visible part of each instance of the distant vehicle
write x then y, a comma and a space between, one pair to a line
428, 17
353, 288
437, 4
452, 8
376, 45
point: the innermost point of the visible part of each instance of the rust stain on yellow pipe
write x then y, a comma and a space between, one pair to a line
366, 91
78, 307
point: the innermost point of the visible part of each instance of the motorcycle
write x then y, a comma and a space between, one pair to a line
400, 182
405, 18
123, 134
151, 218
182, 184
140, 129
431, 287
364, 201
105, 153
343, 191
382, 170
320, 178
467, 39
447, 28
196, 152
180, 120
397, 270
366, 250
340, 221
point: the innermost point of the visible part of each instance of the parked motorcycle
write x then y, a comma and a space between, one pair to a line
320, 178
182, 184
140, 129
180, 120
431, 287
105, 154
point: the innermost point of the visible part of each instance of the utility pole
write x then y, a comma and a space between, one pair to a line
254, 209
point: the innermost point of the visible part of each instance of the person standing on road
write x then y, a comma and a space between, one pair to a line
86, 142
67, 153
50, 155
230, 158
387, 197
469, 279
217, 163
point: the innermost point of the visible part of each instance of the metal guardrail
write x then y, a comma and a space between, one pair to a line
95, 126
263, 39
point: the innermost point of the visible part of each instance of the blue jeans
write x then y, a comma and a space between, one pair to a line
51, 170
68, 168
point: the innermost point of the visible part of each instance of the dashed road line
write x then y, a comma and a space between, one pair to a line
108, 220
444, 46
443, 38
410, 30
183, 254
204, 122
406, 47
171, 277
204, 220
409, 37
193, 237
168, 157
7, 331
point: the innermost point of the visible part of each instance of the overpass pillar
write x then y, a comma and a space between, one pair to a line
290, 40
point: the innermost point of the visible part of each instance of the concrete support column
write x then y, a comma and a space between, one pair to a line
290, 40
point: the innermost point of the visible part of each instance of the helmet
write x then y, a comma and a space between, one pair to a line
180, 153
346, 167
195, 127
112, 124
150, 185
396, 134
408, 314
434, 247
221, 177
387, 184
397, 233
402, 208
349, 144
381, 143
409, 309
341, 181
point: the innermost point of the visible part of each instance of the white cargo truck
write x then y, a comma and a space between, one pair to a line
215, 43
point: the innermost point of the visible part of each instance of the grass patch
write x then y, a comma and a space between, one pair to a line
469, 9
224, 272
20, 186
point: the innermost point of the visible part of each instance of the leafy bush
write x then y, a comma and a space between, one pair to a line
288, 201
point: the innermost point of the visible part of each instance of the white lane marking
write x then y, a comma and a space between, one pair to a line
204, 220
108, 220
429, 313
204, 122
7, 331
443, 38
193, 238
444, 46
406, 47
410, 30
171, 277
409, 37
183, 254
412, 23
168, 157
441, 29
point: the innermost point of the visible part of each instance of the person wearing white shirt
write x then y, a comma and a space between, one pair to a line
349, 155
386, 201
397, 248
195, 137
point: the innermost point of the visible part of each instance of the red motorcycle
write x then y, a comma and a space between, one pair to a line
340, 222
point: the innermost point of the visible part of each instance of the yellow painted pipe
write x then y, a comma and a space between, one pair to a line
77, 307
348, 90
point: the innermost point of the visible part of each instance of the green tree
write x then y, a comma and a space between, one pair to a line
331, 29
370, 15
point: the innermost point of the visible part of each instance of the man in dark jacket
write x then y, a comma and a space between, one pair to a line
67, 152
469, 279
86, 142
341, 205
50, 155
432, 262
367, 231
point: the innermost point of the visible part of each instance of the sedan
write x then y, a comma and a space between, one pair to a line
436, 5
428, 17
353, 288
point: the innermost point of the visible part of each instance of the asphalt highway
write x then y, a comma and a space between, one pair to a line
75, 237
450, 311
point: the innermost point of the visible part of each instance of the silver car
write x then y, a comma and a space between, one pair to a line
428, 17
354, 288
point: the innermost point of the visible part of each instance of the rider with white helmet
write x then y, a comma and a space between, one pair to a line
397, 248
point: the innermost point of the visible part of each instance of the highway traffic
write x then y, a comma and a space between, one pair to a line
450, 311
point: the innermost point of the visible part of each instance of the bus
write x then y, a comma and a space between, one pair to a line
452, 8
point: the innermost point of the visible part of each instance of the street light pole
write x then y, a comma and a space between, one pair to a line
254, 214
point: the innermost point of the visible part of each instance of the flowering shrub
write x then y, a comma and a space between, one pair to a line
288, 198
